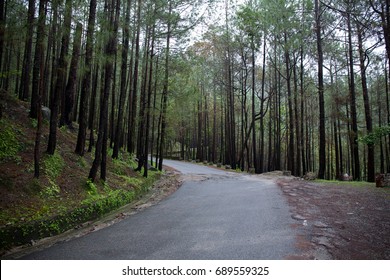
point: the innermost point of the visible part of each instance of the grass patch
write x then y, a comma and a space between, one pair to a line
92, 208
345, 183
9, 144
53, 165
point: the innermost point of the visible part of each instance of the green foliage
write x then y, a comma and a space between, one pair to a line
9, 145
374, 137
135, 182
52, 190
53, 165
81, 162
131, 162
34, 123
120, 167
91, 187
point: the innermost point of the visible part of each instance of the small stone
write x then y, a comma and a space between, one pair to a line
298, 217
320, 225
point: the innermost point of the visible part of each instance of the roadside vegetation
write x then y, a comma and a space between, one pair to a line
62, 198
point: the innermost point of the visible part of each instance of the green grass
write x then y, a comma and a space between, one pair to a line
53, 165
9, 144
345, 183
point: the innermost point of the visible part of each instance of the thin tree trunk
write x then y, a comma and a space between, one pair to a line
25, 84
355, 145
66, 118
322, 144
143, 103
91, 117
254, 144
165, 90
291, 147
367, 110
101, 144
134, 90
302, 133
37, 70
86, 82
148, 106
61, 79
122, 97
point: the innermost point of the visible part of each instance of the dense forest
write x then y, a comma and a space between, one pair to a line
299, 85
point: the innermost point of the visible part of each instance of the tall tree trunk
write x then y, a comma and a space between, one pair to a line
143, 103
92, 106
148, 106
254, 144
291, 146
37, 70
165, 90
199, 144
262, 112
382, 8
67, 107
61, 79
322, 144
122, 97
25, 80
367, 110
355, 145
86, 81
134, 90
296, 118
302, 133
111, 119
113, 8
154, 115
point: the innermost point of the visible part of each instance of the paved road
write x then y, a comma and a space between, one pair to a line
214, 215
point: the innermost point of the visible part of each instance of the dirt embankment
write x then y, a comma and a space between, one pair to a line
346, 220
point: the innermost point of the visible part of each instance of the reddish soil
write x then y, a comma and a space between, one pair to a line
339, 220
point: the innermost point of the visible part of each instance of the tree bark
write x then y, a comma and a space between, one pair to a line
61, 79
165, 90
322, 144
367, 110
67, 107
134, 89
355, 145
101, 144
123, 82
37, 70
25, 84
86, 81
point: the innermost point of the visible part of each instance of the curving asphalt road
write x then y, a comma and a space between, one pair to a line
213, 215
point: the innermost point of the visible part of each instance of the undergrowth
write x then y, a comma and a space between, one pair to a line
101, 198
9, 144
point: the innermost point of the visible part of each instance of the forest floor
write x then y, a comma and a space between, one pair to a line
339, 220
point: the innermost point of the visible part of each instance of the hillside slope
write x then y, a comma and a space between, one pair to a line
62, 198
